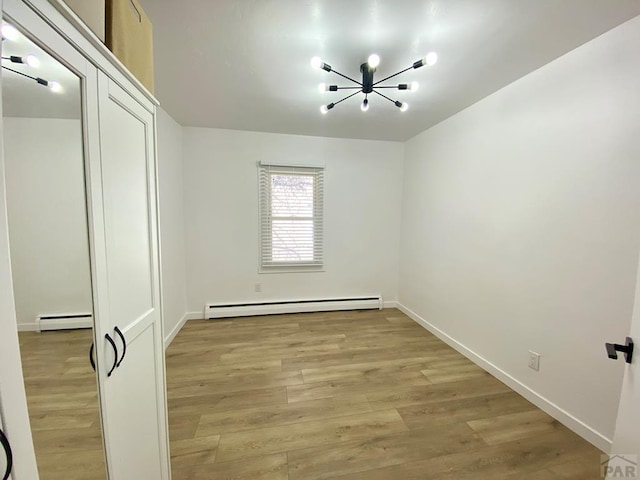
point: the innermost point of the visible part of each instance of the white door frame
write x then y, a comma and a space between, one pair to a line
626, 440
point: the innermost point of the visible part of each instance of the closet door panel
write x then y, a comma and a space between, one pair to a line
128, 231
139, 451
135, 391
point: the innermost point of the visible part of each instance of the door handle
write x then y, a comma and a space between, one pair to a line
124, 345
7, 450
115, 353
627, 349
93, 363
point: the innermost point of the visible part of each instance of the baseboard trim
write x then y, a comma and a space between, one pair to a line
47, 323
176, 330
585, 431
303, 305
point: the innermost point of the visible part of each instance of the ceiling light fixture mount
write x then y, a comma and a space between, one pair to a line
367, 85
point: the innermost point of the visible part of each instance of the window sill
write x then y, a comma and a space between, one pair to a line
291, 269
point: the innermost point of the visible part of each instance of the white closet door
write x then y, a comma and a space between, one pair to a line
134, 399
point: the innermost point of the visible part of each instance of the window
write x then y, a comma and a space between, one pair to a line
291, 216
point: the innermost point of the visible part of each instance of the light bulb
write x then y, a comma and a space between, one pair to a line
55, 87
324, 109
374, 60
365, 105
322, 88
413, 86
9, 32
32, 61
404, 107
316, 62
431, 58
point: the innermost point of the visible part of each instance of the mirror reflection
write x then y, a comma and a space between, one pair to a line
50, 257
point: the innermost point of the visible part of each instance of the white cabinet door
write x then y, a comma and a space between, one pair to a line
128, 308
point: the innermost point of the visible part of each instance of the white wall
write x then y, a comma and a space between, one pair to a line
363, 181
47, 218
521, 226
171, 205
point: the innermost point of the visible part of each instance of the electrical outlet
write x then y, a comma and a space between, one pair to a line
534, 361
258, 287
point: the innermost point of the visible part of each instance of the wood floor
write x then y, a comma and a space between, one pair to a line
352, 396
63, 404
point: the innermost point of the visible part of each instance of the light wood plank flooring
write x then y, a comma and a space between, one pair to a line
365, 395
63, 404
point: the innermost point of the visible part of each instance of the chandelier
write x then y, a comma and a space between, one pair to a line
368, 86
9, 32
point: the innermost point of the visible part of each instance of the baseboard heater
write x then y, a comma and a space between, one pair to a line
224, 310
63, 321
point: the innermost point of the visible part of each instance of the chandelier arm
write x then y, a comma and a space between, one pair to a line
20, 73
394, 75
392, 101
389, 86
350, 88
348, 78
346, 98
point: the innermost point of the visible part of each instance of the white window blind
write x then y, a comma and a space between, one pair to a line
291, 205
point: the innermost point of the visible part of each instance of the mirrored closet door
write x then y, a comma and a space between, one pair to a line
50, 257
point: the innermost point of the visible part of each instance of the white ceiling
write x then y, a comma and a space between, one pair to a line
244, 64
23, 97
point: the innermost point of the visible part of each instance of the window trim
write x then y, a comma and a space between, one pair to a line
265, 170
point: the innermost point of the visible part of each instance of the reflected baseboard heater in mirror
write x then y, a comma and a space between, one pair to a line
224, 310
63, 321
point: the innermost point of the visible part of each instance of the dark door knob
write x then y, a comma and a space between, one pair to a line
91, 360
627, 349
124, 345
4, 441
115, 353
